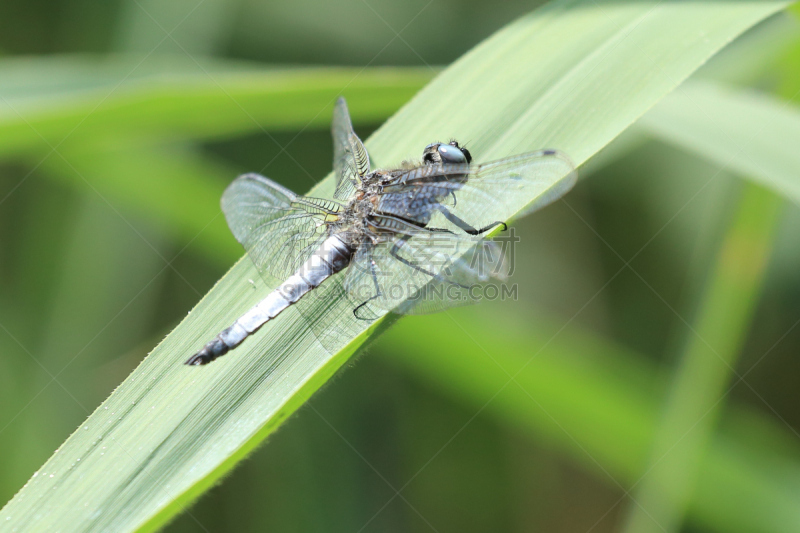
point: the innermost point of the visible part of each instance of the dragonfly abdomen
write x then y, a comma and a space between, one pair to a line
331, 257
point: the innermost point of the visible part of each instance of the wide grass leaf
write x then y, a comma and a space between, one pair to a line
571, 75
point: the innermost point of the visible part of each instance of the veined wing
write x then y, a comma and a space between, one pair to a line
410, 271
462, 282
414, 270
478, 194
350, 158
279, 229
339, 307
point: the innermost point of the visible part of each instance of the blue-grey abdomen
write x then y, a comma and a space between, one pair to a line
332, 256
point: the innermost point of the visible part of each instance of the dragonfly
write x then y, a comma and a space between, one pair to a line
396, 237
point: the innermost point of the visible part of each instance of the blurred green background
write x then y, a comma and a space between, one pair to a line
654, 251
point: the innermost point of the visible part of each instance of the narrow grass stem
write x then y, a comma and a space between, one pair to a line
705, 373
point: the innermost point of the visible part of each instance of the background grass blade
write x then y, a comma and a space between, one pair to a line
702, 380
134, 179
180, 100
597, 403
752, 134
168, 432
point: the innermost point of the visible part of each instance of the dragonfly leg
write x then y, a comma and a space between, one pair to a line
442, 230
464, 225
378, 293
396, 248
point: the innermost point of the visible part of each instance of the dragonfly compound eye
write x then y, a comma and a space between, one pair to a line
453, 154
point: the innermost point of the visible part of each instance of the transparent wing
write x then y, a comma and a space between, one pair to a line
465, 282
415, 271
479, 194
377, 282
350, 158
278, 228
420, 270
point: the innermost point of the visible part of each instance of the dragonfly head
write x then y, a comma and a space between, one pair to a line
446, 153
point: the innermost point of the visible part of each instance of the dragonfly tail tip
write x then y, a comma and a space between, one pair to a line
208, 353
197, 359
